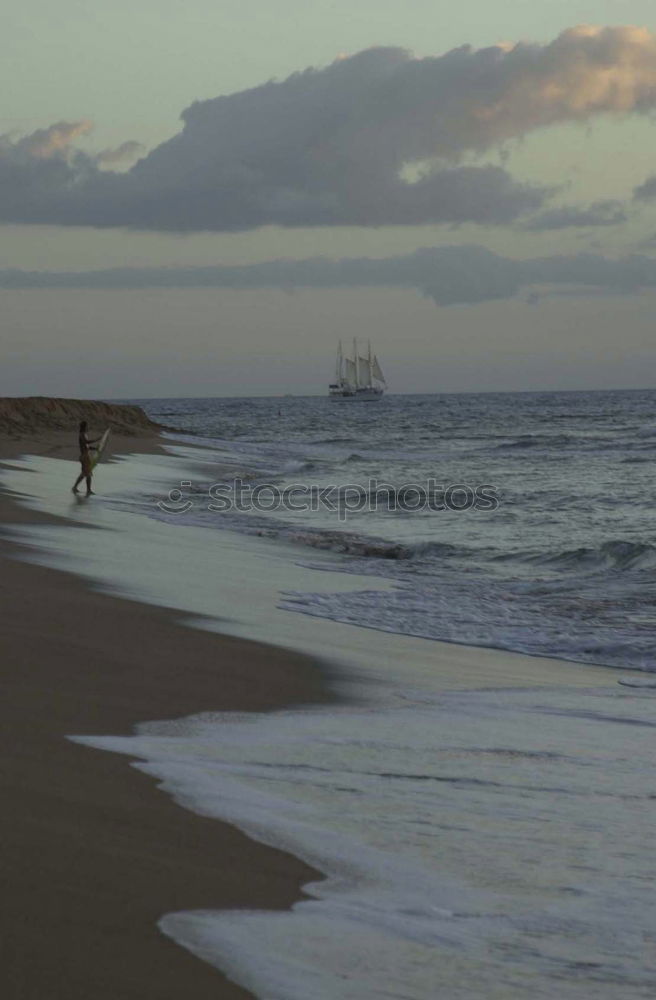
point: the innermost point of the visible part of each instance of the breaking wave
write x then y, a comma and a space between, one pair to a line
617, 554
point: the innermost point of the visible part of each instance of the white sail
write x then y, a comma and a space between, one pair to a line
349, 371
365, 370
340, 364
376, 370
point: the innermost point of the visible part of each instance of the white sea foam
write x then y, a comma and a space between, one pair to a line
465, 837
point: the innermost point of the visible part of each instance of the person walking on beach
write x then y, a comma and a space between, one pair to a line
86, 447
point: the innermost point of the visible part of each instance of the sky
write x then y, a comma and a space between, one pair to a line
201, 198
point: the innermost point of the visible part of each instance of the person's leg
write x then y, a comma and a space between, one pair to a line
77, 482
89, 490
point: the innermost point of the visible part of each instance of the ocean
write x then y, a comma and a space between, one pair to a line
564, 566
486, 838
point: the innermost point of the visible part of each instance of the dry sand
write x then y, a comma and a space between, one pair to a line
92, 853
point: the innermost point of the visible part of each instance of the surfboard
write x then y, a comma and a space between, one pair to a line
102, 444
631, 683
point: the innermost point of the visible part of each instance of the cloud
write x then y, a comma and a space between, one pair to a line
647, 190
127, 151
599, 213
45, 143
449, 275
333, 146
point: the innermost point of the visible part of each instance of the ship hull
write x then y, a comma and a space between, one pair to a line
363, 396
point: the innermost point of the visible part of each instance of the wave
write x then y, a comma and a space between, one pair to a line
539, 441
617, 554
442, 550
548, 441
348, 543
614, 555
333, 440
368, 547
299, 465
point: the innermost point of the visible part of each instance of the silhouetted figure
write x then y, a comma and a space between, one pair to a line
86, 447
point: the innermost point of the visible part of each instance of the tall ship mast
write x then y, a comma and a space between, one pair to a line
357, 377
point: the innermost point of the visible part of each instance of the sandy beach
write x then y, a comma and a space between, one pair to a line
92, 853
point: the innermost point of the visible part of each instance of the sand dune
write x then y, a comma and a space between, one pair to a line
30, 414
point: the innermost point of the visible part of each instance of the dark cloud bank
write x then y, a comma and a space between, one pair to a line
448, 275
333, 146
599, 213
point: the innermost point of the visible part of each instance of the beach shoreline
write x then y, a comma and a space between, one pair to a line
97, 854
94, 854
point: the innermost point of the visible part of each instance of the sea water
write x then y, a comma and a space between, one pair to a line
564, 566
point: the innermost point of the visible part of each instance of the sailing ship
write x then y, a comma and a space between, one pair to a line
357, 378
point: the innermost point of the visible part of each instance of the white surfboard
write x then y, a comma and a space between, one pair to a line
102, 444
